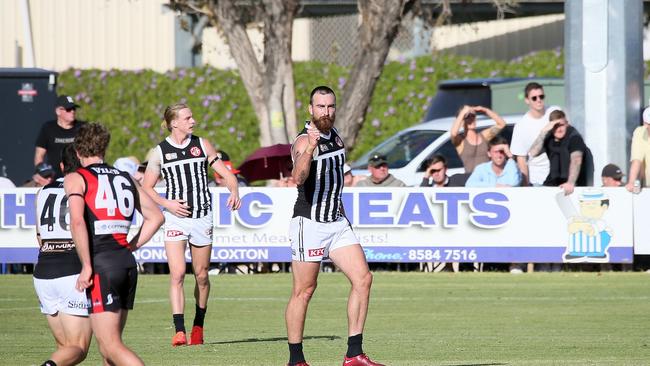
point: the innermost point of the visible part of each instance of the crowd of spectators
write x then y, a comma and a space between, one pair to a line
545, 150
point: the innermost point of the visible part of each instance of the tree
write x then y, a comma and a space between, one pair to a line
270, 83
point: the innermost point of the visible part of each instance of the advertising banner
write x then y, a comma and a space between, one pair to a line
398, 225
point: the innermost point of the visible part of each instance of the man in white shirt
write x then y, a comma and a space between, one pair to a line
534, 170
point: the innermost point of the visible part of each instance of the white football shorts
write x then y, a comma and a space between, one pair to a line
197, 232
312, 241
60, 294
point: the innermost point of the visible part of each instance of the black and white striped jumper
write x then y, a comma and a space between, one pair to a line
319, 197
185, 170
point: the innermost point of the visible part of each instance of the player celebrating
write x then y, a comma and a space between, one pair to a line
319, 229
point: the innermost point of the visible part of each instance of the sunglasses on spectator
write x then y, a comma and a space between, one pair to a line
534, 97
431, 171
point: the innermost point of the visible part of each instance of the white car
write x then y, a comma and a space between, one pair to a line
407, 150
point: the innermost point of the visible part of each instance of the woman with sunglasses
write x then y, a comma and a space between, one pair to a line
471, 145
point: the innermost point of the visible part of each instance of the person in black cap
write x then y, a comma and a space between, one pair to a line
379, 175
53, 137
612, 176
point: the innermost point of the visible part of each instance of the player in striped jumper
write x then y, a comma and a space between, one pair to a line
320, 230
183, 160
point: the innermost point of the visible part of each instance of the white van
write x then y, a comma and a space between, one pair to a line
406, 150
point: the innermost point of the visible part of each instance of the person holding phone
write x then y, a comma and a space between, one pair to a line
470, 144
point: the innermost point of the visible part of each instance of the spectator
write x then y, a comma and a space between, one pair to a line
131, 165
379, 176
640, 155
43, 170
612, 176
471, 145
565, 150
218, 180
435, 174
54, 135
500, 171
534, 170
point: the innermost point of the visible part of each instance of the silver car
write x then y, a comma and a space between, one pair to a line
409, 148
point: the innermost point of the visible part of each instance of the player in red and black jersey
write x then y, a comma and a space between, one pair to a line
102, 204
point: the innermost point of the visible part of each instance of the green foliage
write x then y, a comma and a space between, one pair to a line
131, 103
422, 319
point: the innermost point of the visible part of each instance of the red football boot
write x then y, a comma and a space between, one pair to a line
196, 337
359, 360
179, 339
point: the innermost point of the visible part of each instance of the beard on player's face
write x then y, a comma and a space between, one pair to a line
324, 123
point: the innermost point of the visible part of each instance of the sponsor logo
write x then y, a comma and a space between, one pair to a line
339, 141
173, 233
62, 140
316, 252
171, 156
208, 232
105, 227
97, 303
195, 151
109, 299
324, 147
78, 304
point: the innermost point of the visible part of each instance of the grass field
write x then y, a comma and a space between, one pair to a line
414, 319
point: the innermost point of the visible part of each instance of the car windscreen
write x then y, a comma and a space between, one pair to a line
448, 101
401, 149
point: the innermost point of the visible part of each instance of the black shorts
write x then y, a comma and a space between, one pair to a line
112, 290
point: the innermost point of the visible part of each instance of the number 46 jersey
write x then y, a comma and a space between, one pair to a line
110, 202
57, 256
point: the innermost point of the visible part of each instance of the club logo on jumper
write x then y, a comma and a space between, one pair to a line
339, 141
195, 151
316, 252
173, 233
171, 156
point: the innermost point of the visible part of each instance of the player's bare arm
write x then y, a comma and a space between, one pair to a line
303, 153
152, 219
74, 189
234, 202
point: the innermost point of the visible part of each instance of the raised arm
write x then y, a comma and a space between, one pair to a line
500, 123
456, 138
302, 153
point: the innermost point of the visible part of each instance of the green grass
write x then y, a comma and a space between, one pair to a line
414, 319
